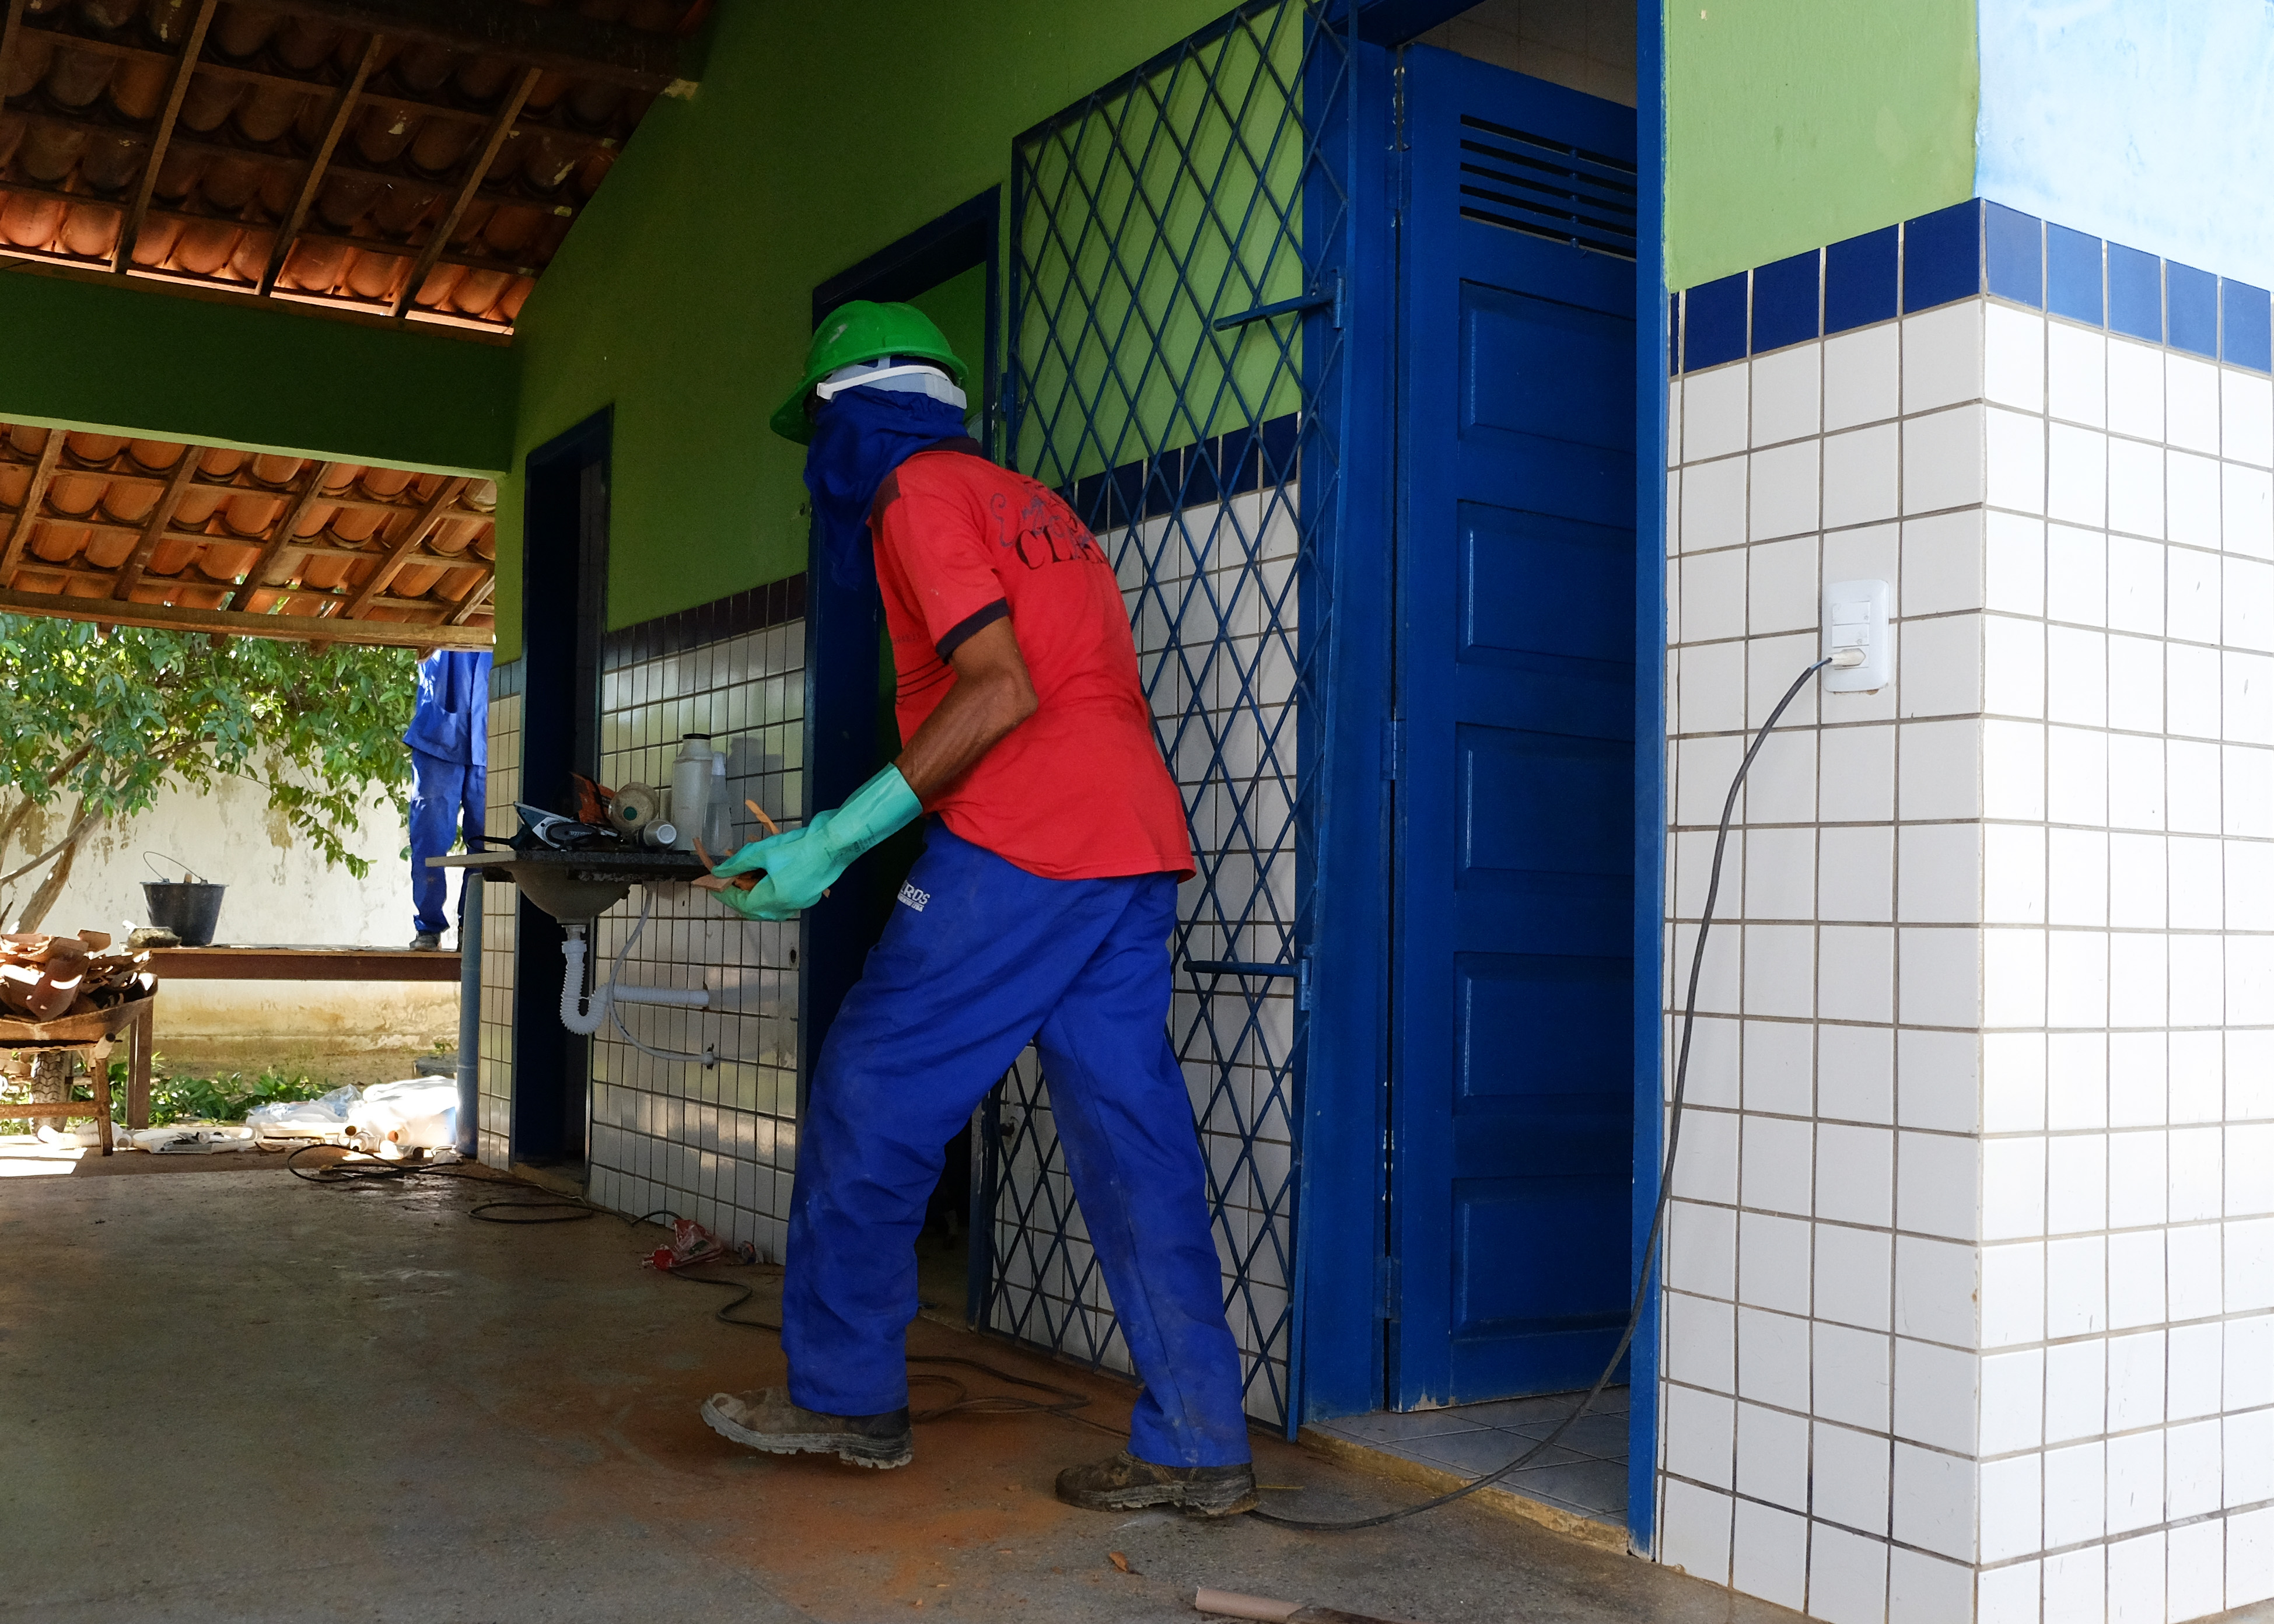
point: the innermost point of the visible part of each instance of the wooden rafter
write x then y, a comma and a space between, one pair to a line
559, 39
281, 536
235, 485
179, 87
474, 600
286, 627
399, 550
11, 24
335, 125
20, 532
154, 528
478, 165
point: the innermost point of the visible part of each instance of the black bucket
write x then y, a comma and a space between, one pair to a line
190, 910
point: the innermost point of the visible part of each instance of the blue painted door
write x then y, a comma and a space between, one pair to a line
1511, 1094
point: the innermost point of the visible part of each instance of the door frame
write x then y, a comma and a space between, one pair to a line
842, 628
1340, 1278
565, 517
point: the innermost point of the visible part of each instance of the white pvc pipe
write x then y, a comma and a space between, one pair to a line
583, 1016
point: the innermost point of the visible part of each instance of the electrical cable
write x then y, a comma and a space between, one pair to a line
352, 1174
1666, 1169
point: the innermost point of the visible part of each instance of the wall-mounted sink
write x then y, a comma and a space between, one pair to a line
574, 886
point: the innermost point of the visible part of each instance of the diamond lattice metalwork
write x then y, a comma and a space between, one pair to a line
1173, 323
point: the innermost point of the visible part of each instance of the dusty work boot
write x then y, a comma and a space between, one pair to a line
765, 1420
1126, 1483
427, 942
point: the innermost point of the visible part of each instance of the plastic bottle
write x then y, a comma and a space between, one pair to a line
690, 788
718, 815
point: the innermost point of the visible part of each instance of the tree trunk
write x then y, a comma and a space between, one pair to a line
58, 877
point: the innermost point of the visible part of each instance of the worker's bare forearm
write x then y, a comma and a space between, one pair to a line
993, 695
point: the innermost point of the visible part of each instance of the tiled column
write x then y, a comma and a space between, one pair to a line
1820, 1436
1972, 1273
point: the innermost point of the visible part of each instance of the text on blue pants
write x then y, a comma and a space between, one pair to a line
446, 800
980, 957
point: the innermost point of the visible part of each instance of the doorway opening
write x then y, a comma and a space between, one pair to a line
564, 582
947, 269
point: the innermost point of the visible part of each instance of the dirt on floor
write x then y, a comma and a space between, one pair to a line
242, 1396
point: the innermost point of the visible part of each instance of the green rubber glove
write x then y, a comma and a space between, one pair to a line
800, 864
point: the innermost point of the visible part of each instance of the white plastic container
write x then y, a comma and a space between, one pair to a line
718, 815
690, 788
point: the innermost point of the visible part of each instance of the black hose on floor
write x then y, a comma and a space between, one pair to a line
572, 1209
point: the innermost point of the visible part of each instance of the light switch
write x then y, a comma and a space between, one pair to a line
1856, 617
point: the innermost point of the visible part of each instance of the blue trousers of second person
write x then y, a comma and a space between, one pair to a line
447, 800
981, 958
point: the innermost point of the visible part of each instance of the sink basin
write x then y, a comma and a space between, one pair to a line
575, 886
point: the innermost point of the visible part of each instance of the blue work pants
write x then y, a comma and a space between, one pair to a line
446, 800
981, 958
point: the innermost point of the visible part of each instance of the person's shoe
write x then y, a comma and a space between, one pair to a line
1126, 1483
767, 1420
427, 942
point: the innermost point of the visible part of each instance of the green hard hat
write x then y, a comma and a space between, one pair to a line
863, 331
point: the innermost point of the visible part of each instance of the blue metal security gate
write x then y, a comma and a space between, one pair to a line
1177, 366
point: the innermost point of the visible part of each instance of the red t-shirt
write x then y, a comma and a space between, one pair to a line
1078, 791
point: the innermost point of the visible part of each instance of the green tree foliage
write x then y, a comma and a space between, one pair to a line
102, 721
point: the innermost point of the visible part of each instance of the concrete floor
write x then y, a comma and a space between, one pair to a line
231, 1394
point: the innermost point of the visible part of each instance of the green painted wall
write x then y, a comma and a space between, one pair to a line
684, 297
1796, 123
132, 360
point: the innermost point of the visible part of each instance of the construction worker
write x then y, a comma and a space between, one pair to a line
448, 738
1040, 912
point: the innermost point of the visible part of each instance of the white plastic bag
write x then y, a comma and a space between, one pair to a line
418, 1113
322, 1120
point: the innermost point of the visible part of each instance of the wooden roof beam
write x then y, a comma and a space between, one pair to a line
123, 259
224, 622
477, 167
474, 600
20, 532
11, 26
154, 528
558, 40
399, 551
335, 125
282, 534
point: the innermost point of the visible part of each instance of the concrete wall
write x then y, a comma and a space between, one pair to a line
2134, 120
684, 296
280, 891
1791, 124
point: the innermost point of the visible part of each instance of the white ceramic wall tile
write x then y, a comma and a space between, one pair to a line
2076, 374
1942, 358
1863, 376
1788, 395
1991, 1173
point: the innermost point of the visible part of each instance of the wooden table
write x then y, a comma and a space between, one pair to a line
268, 963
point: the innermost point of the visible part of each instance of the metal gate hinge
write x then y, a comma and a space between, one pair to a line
1303, 982
1393, 748
1328, 295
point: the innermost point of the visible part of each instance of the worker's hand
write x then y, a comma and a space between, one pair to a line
801, 863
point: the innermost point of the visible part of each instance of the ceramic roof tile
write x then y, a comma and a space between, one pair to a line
80, 517
84, 89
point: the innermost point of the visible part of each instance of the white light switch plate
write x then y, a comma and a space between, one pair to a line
1855, 617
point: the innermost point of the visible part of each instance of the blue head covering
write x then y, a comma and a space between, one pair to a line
858, 438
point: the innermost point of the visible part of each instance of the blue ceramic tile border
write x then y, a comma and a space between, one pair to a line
1959, 252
